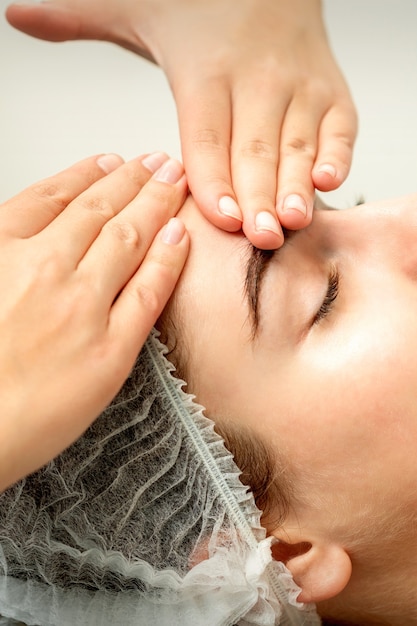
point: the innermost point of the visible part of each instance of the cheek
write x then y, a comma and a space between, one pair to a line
355, 385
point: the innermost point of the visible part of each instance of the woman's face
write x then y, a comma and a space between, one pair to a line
329, 375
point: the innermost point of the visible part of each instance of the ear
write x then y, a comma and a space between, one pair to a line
321, 568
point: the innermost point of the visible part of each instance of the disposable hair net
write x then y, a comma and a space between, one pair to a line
142, 521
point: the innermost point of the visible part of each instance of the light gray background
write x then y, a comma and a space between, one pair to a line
62, 102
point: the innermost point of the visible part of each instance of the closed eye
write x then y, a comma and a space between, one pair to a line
330, 297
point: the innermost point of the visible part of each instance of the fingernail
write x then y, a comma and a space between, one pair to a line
266, 221
109, 162
29, 2
170, 172
229, 207
327, 168
153, 161
173, 232
294, 202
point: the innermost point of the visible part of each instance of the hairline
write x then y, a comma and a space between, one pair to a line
262, 468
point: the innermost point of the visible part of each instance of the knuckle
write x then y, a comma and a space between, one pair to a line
344, 139
258, 149
99, 205
161, 196
51, 192
297, 146
208, 140
124, 232
148, 298
164, 260
159, 201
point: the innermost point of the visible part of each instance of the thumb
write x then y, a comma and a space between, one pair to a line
49, 21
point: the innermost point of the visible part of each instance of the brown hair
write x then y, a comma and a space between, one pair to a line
262, 470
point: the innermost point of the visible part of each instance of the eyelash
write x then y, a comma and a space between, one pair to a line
329, 298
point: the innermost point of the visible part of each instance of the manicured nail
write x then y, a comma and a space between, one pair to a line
153, 161
327, 168
294, 202
229, 207
109, 162
170, 172
266, 221
173, 232
29, 3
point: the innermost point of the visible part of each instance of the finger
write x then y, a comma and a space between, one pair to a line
124, 241
56, 22
46, 21
143, 299
298, 148
337, 136
204, 115
255, 153
34, 208
78, 226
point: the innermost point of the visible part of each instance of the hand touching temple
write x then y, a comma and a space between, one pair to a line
265, 115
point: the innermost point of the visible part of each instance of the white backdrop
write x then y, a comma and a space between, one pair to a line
61, 102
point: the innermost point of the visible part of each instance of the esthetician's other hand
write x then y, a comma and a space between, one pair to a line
264, 112
86, 267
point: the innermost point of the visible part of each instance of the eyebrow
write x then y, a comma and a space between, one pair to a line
256, 267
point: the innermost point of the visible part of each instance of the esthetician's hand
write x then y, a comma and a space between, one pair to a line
264, 112
87, 263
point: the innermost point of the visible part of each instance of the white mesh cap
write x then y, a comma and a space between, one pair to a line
143, 521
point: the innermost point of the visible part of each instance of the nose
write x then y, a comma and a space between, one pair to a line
385, 231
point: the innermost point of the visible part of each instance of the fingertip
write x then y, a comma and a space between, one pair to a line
153, 161
228, 224
171, 172
293, 220
109, 162
209, 180
44, 20
14, 9
229, 214
327, 168
263, 238
327, 177
225, 213
294, 216
228, 207
294, 210
173, 232
295, 204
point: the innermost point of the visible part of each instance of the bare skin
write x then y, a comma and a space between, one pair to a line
328, 381
84, 274
264, 112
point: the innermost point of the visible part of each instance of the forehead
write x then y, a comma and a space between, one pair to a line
210, 295
214, 270
301, 398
